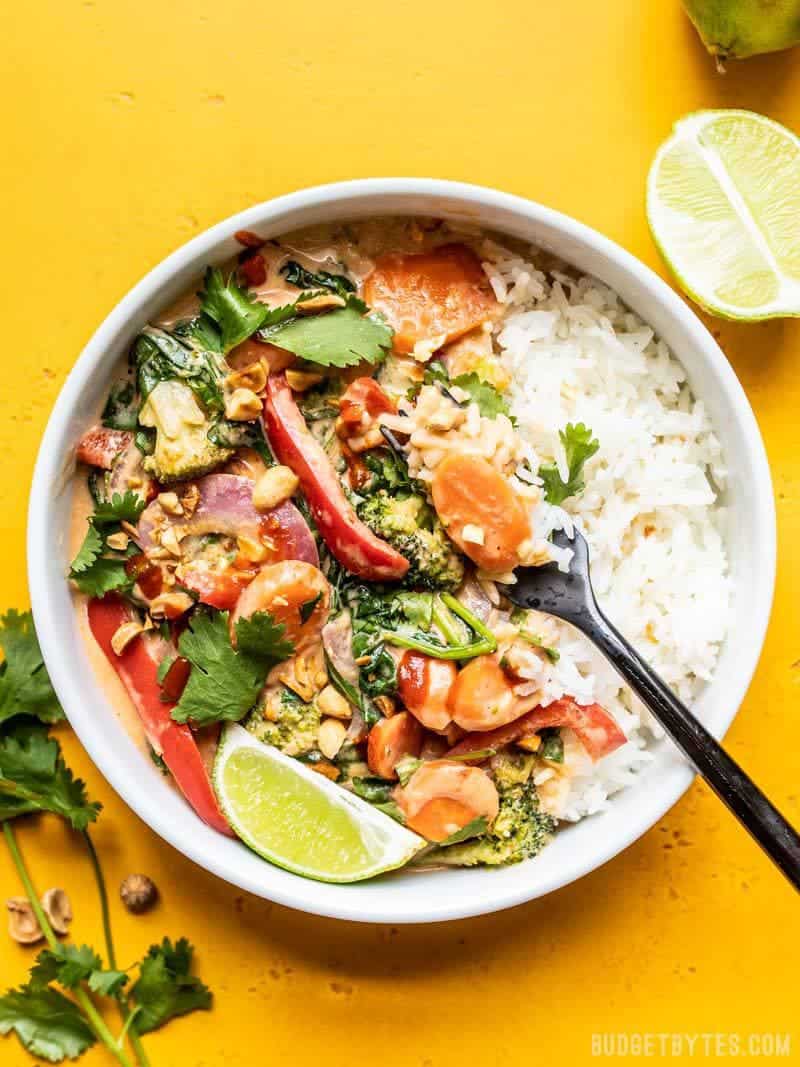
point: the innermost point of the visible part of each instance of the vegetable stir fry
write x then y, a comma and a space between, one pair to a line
308, 491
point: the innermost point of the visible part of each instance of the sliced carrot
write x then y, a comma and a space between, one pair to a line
425, 295
482, 698
468, 492
390, 740
442, 797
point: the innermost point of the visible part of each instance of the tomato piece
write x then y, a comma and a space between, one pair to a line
390, 740
482, 697
148, 576
137, 668
248, 239
469, 491
425, 295
253, 270
360, 404
593, 726
295, 593
99, 447
424, 684
353, 544
442, 797
220, 589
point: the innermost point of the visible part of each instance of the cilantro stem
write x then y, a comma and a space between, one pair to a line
27, 885
486, 644
85, 1002
126, 1013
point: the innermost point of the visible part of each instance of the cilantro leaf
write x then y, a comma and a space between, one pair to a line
297, 275
224, 682
103, 576
34, 777
47, 1023
579, 446
24, 683
262, 638
165, 988
120, 508
107, 983
88, 553
491, 403
68, 965
91, 571
237, 314
340, 338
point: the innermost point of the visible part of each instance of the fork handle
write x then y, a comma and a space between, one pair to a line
736, 789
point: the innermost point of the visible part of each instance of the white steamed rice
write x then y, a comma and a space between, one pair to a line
649, 510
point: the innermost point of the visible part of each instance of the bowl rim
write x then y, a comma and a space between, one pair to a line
312, 897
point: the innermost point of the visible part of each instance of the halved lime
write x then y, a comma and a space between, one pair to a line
723, 202
300, 820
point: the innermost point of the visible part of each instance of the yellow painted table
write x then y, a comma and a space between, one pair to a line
130, 126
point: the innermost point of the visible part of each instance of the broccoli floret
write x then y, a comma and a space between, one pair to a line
283, 720
182, 448
410, 525
520, 831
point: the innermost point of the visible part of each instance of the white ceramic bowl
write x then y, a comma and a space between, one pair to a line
401, 897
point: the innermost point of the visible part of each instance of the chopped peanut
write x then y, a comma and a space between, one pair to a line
331, 702
530, 744
474, 534
331, 737
169, 540
300, 380
252, 377
275, 485
118, 541
124, 635
170, 503
243, 405
252, 550
171, 605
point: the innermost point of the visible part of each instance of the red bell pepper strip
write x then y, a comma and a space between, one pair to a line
353, 544
137, 668
100, 446
593, 726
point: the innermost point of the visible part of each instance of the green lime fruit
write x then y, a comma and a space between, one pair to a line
723, 203
300, 820
735, 29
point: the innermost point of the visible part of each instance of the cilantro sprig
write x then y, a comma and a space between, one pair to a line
340, 338
24, 683
225, 681
165, 987
343, 337
55, 1015
34, 777
579, 446
93, 570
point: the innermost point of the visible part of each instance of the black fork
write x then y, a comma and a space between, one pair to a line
570, 596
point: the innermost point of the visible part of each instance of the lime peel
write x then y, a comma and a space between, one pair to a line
723, 204
301, 821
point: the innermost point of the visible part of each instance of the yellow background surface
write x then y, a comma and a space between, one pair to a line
129, 127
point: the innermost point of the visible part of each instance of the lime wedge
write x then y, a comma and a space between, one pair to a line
723, 202
300, 820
